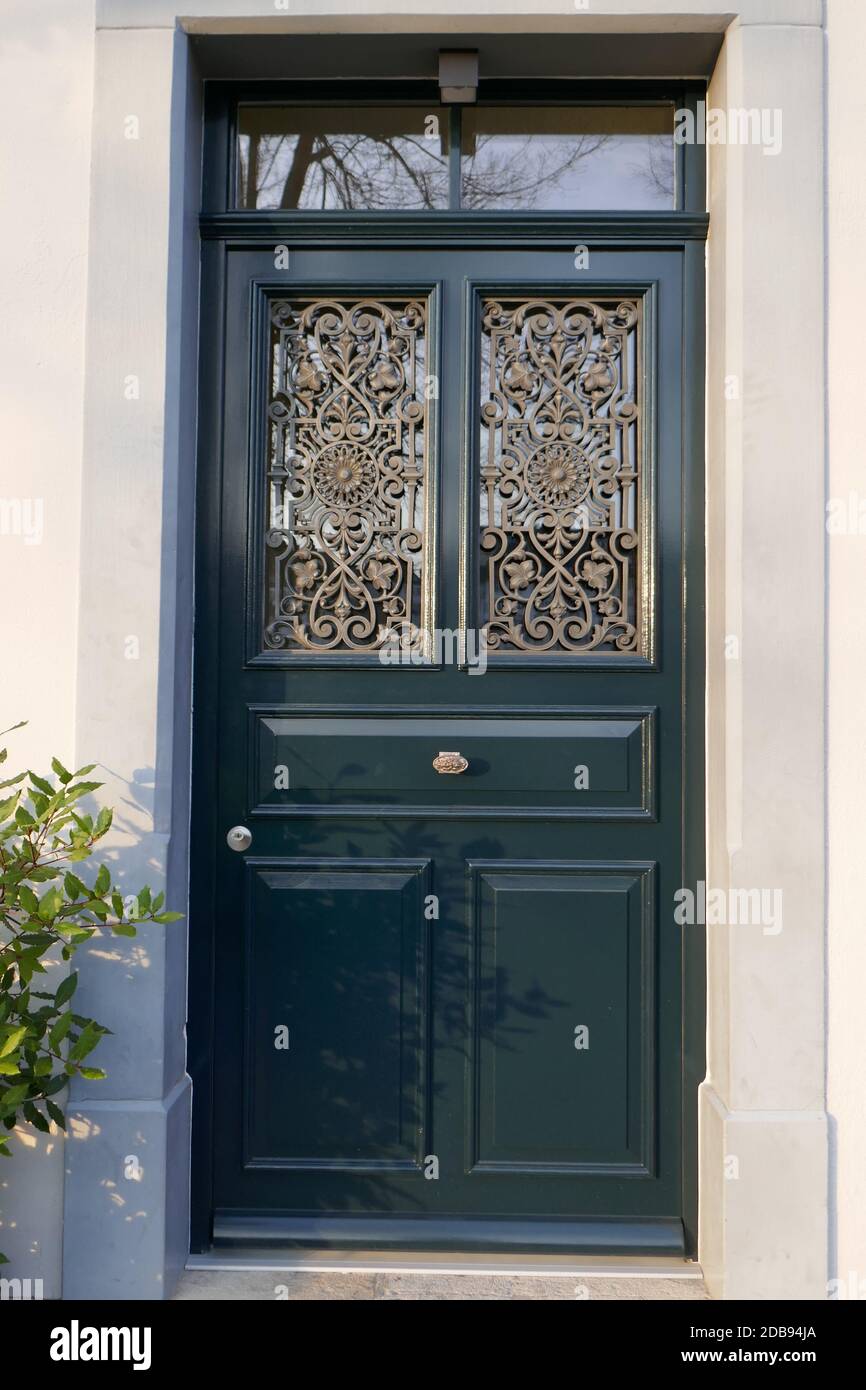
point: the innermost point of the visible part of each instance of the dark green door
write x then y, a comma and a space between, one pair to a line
447, 499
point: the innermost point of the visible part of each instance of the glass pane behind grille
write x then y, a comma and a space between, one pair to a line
347, 473
560, 477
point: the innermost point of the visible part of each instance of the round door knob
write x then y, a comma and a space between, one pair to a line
450, 762
239, 838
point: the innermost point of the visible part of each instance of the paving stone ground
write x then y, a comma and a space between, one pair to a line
298, 1285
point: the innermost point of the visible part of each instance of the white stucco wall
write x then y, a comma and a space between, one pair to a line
46, 99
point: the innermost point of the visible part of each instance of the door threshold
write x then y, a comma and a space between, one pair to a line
547, 1266
516, 1237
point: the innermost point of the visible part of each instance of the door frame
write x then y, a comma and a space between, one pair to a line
223, 230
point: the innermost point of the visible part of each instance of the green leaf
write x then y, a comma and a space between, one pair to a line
85, 1044
22, 724
76, 934
66, 989
83, 771
60, 1029
9, 1068
124, 929
143, 901
169, 917
60, 771
50, 904
36, 1118
92, 1073
103, 820
14, 1095
56, 1114
81, 789
8, 806
14, 1039
103, 881
28, 899
40, 783
74, 887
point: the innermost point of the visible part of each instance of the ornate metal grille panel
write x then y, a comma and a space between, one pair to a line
561, 499
347, 473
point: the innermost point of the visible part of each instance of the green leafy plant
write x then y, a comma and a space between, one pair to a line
47, 909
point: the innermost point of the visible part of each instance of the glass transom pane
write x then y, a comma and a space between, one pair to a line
581, 157
339, 158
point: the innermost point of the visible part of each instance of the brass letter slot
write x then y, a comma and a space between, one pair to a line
450, 762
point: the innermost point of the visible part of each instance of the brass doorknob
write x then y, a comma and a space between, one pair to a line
450, 762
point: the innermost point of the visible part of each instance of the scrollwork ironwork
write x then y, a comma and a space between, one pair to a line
346, 472
560, 475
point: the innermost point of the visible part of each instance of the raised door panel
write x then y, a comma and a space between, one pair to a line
587, 765
336, 981
562, 1018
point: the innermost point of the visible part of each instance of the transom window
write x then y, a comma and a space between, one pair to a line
408, 157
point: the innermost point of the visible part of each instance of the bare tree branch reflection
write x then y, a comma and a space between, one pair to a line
657, 174
379, 172
508, 174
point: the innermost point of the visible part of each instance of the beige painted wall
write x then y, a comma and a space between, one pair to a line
763, 1128
46, 100
46, 96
